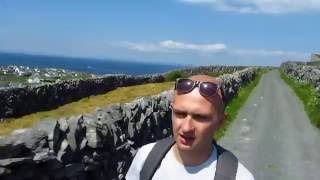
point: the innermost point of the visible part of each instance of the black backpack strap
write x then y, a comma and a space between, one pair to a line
155, 157
227, 164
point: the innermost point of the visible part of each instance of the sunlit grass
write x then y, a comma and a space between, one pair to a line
308, 95
237, 102
86, 105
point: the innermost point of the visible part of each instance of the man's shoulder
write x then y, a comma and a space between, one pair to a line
243, 173
138, 161
143, 152
145, 149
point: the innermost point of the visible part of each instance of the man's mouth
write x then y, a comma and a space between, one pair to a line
186, 140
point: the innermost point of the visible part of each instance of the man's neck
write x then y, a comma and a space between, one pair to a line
192, 158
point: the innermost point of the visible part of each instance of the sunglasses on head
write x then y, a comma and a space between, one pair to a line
184, 86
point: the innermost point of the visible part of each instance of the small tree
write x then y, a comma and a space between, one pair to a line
173, 75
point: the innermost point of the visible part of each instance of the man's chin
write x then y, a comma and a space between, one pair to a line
185, 143
182, 147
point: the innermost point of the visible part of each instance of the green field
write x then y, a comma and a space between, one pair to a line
7, 78
13, 78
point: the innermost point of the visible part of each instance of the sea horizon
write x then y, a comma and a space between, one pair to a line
97, 66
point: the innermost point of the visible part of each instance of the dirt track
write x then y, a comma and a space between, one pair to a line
272, 135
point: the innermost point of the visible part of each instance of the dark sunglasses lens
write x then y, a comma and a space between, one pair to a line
208, 89
184, 85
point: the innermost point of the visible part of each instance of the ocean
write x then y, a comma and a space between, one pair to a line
89, 65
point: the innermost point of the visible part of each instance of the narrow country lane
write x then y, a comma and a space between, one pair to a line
273, 136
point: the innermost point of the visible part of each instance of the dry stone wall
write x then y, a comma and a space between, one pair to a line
16, 102
303, 73
210, 70
94, 146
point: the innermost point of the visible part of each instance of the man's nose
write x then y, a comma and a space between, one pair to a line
187, 125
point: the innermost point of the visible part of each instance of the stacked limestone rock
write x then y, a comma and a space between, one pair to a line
233, 82
16, 102
94, 146
210, 69
303, 73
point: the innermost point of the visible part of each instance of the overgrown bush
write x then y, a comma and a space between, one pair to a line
173, 75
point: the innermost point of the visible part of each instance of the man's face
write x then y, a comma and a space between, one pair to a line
194, 121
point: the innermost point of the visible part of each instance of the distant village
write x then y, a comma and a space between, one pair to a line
13, 76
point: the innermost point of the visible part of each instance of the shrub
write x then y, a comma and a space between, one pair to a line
173, 75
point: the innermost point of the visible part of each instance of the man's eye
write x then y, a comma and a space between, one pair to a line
180, 114
200, 117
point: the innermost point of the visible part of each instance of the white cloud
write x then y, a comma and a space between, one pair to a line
174, 46
261, 6
145, 47
262, 52
208, 50
196, 47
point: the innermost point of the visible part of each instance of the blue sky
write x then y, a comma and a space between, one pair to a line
189, 32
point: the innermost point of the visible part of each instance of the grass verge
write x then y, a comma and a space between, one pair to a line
237, 102
308, 95
86, 105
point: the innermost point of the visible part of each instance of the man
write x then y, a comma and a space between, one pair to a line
197, 113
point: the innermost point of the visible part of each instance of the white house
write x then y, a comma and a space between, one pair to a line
34, 79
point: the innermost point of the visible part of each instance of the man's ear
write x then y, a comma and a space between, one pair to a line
171, 105
226, 115
223, 120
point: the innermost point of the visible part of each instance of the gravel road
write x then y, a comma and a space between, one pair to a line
272, 135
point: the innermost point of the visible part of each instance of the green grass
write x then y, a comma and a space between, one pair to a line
86, 105
236, 103
7, 78
308, 95
13, 78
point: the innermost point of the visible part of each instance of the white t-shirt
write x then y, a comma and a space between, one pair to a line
171, 169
